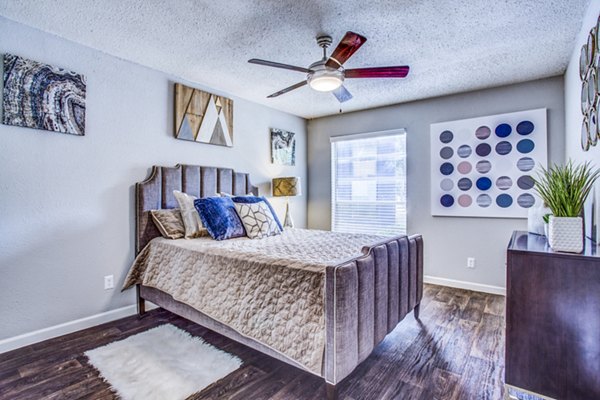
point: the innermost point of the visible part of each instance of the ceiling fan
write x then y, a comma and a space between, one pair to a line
328, 74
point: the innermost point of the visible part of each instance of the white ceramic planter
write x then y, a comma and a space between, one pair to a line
566, 234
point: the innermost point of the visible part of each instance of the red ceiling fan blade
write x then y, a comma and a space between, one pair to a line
278, 65
288, 89
348, 46
378, 72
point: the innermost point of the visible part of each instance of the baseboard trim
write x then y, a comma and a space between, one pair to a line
88, 322
477, 287
26, 339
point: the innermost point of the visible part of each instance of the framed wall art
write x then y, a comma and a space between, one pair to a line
203, 117
483, 167
41, 96
283, 147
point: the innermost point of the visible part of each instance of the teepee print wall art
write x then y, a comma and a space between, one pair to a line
203, 117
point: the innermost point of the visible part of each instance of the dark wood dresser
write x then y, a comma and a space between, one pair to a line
552, 319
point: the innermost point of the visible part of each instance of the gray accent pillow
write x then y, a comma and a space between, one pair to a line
257, 220
169, 223
189, 215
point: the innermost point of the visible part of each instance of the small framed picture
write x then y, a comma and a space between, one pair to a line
283, 147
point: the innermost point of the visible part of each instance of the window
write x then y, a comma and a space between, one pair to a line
369, 183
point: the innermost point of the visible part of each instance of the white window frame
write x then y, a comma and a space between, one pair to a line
367, 135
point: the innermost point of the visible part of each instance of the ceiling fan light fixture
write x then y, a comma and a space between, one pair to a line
325, 80
328, 74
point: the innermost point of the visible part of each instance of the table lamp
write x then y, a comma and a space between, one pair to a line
287, 186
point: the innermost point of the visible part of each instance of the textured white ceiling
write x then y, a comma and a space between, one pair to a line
452, 46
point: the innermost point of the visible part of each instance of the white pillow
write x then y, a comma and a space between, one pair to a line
189, 215
257, 220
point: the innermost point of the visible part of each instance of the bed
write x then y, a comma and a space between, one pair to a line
324, 300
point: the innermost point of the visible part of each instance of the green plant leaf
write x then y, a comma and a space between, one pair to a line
564, 188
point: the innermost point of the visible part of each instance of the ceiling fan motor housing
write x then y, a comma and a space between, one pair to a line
324, 41
323, 78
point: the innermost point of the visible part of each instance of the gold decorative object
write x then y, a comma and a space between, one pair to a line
286, 187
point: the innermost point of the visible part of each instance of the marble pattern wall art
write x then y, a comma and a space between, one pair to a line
203, 117
484, 167
283, 147
41, 96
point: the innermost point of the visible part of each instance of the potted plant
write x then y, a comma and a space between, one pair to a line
564, 189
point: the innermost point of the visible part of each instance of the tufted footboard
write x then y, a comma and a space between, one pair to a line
366, 298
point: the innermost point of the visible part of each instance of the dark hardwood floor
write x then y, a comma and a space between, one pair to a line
456, 351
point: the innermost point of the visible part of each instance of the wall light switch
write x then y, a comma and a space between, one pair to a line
471, 262
109, 282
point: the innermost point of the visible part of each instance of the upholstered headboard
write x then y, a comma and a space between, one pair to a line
156, 192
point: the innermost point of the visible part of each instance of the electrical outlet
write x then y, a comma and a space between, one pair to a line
471, 262
109, 282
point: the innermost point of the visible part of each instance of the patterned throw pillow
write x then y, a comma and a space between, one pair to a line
225, 194
189, 215
220, 218
257, 199
169, 223
257, 219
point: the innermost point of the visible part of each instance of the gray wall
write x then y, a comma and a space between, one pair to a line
66, 202
448, 241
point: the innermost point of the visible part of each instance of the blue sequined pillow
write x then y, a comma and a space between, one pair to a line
220, 218
256, 199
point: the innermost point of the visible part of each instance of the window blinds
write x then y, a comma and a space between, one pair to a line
369, 183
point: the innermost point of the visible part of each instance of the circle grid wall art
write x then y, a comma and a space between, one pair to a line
484, 167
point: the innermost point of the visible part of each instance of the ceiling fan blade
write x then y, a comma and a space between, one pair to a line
342, 94
278, 65
288, 89
378, 72
348, 46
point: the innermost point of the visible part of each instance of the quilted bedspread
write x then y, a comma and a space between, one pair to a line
269, 289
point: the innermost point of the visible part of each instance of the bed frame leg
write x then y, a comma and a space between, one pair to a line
141, 303
332, 393
417, 310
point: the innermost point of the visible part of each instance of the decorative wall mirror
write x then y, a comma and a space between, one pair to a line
583, 62
590, 84
584, 97
594, 134
585, 142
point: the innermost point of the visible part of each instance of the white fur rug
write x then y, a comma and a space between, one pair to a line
162, 363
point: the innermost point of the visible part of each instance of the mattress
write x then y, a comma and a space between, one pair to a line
270, 289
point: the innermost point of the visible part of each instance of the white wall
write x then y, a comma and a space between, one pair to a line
448, 241
66, 202
573, 116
